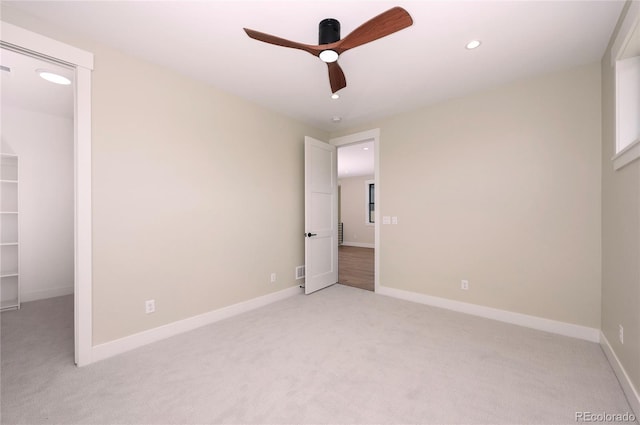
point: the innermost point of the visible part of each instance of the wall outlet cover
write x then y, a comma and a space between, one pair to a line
149, 306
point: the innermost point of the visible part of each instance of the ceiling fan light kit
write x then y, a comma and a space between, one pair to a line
330, 46
328, 56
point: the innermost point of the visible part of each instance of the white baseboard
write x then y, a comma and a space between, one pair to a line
41, 294
359, 244
534, 322
633, 396
112, 348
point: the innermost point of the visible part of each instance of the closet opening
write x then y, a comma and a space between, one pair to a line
37, 202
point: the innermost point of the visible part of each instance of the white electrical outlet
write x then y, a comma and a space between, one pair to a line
621, 334
464, 285
149, 306
273, 277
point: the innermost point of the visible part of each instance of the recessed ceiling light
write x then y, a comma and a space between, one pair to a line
53, 77
335, 96
336, 119
365, 149
473, 44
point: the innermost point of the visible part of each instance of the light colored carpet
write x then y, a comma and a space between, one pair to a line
341, 355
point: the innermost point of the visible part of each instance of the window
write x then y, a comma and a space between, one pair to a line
626, 59
370, 207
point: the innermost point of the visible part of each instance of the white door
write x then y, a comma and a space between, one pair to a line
320, 215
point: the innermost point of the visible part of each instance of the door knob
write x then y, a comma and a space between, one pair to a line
311, 234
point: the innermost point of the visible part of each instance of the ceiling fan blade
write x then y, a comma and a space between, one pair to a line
382, 25
272, 39
336, 77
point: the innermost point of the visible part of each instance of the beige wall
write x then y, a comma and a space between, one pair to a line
188, 207
352, 211
620, 238
501, 188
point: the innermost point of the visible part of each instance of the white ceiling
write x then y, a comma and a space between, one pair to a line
356, 160
22, 87
417, 66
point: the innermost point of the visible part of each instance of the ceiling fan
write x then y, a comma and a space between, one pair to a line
330, 46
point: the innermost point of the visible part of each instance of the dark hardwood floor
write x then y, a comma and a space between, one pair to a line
356, 267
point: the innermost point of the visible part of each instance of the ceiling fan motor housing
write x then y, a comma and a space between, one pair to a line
329, 31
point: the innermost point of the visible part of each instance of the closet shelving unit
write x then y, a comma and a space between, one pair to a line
9, 256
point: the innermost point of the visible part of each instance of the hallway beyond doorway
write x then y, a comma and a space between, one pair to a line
356, 267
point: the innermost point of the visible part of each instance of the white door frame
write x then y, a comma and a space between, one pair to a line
18, 39
366, 136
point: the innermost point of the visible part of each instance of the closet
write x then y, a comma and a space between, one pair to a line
9, 255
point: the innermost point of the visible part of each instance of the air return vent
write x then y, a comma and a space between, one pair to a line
300, 272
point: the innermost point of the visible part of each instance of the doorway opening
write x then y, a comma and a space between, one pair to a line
358, 206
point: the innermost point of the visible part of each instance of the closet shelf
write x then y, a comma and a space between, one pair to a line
9, 239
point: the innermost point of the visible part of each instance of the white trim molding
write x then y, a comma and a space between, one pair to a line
29, 43
630, 21
122, 345
533, 322
83, 245
627, 155
633, 396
